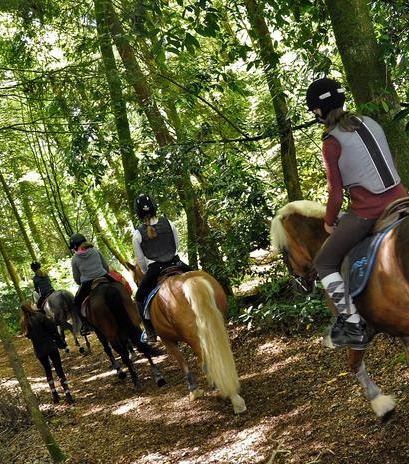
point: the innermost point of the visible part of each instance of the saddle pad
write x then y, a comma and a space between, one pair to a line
146, 309
360, 261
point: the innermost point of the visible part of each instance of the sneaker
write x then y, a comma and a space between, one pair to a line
351, 334
68, 398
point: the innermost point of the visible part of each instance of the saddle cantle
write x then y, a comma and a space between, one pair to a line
393, 212
165, 273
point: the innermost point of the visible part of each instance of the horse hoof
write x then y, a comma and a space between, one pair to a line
161, 382
67, 350
239, 406
327, 342
197, 393
122, 375
138, 387
82, 350
385, 418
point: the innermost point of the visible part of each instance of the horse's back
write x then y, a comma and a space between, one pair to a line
385, 300
171, 312
106, 300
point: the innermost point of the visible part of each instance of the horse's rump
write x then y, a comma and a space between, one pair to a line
112, 311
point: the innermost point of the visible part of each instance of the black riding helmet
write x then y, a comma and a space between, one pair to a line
144, 206
35, 266
76, 240
325, 94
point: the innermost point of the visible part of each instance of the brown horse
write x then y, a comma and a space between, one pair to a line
115, 319
298, 231
192, 308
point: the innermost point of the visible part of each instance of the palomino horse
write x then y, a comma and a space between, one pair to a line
115, 319
298, 231
192, 308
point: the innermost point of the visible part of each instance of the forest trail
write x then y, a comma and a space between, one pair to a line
303, 407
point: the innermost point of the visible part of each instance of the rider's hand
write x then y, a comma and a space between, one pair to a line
329, 229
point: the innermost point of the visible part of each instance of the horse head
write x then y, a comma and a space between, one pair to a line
135, 270
297, 231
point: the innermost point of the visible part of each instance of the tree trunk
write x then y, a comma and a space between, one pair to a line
184, 186
367, 75
271, 62
50, 442
19, 220
28, 211
100, 231
15, 278
129, 161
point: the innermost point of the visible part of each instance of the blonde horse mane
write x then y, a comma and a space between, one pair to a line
306, 208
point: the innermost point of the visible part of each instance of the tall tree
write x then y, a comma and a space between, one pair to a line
271, 63
129, 161
367, 74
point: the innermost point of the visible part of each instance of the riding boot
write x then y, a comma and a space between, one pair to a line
149, 334
85, 328
349, 328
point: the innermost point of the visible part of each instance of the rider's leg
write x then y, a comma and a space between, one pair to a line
145, 287
349, 328
79, 298
49, 375
56, 360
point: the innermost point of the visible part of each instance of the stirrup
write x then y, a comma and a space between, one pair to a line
148, 338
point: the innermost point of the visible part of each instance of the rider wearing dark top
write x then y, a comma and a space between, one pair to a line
155, 243
46, 340
42, 283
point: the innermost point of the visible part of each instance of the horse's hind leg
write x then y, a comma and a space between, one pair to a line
122, 350
114, 363
173, 350
383, 405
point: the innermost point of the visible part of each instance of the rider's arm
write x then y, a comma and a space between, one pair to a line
76, 275
136, 242
175, 234
331, 152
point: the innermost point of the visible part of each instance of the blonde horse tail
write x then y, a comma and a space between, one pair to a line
214, 341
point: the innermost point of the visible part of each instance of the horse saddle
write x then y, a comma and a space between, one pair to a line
358, 264
86, 302
167, 272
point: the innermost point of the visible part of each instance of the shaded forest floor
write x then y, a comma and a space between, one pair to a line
303, 407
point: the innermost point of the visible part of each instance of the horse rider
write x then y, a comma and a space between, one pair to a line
46, 340
357, 159
42, 283
155, 242
87, 265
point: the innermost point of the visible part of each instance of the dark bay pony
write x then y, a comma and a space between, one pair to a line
116, 322
298, 232
192, 308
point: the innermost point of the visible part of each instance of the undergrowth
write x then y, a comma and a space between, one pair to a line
281, 304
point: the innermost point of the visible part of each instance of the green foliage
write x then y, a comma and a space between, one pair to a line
9, 307
285, 309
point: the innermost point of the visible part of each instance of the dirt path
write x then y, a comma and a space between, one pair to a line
303, 408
